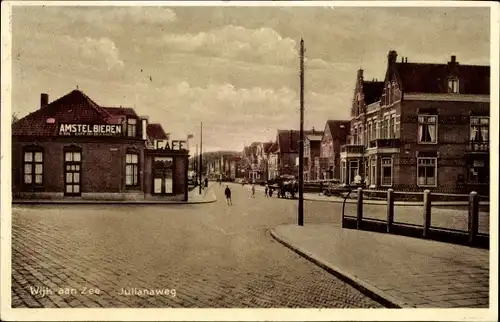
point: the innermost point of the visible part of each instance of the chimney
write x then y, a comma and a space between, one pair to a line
453, 59
391, 57
360, 74
144, 122
44, 100
406, 59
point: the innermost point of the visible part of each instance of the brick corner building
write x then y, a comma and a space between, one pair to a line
426, 126
72, 148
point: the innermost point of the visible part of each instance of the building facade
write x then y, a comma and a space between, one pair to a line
429, 130
72, 148
327, 164
312, 150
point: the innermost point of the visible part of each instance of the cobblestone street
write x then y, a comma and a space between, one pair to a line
212, 255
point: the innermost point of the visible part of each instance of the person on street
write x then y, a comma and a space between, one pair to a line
206, 183
227, 192
266, 191
253, 190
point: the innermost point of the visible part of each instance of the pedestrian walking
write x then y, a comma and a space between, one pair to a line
253, 190
227, 192
266, 191
206, 182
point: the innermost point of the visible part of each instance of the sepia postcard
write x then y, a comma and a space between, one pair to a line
249, 161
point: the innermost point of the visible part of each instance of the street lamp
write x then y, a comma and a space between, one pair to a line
301, 142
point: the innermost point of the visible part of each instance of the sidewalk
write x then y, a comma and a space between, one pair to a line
398, 271
207, 196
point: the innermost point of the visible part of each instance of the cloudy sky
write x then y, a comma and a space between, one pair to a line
236, 69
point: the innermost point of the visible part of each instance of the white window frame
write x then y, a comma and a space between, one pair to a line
377, 128
343, 171
373, 172
453, 85
436, 131
480, 125
131, 127
133, 165
349, 172
435, 171
382, 166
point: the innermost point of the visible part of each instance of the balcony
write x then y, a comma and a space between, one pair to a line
478, 147
385, 143
352, 149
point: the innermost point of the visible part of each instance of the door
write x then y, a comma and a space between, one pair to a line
72, 173
162, 176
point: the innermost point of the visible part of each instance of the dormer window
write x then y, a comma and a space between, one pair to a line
452, 85
131, 127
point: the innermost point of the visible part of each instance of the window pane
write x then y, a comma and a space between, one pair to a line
132, 121
77, 156
38, 168
431, 119
485, 120
69, 177
128, 180
134, 158
27, 168
69, 188
76, 188
128, 158
38, 178
27, 178
28, 156
128, 170
157, 185
77, 167
38, 157
76, 177
68, 156
68, 167
169, 188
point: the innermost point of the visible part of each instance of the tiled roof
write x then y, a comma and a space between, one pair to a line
74, 107
155, 132
372, 91
121, 111
433, 78
339, 129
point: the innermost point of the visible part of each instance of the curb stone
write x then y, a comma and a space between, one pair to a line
367, 289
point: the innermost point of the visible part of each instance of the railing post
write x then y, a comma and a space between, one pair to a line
359, 208
473, 216
390, 209
427, 213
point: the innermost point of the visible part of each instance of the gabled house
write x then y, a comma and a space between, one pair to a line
312, 150
327, 164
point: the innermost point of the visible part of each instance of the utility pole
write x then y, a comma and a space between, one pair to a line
201, 154
195, 163
301, 142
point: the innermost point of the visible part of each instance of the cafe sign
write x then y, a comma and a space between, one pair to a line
169, 145
90, 129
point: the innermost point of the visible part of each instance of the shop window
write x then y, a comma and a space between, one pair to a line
162, 175
479, 172
427, 172
427, 129
386, 172
72, 171
33, 166
131, 127
453, 85
479, 128
132, 169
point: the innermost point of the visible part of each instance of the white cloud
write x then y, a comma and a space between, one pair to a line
234, 42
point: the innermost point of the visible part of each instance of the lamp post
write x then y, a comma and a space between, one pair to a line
301, 141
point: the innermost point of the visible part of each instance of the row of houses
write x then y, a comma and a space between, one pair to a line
425, 126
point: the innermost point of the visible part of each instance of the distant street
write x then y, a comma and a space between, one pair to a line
213, 255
